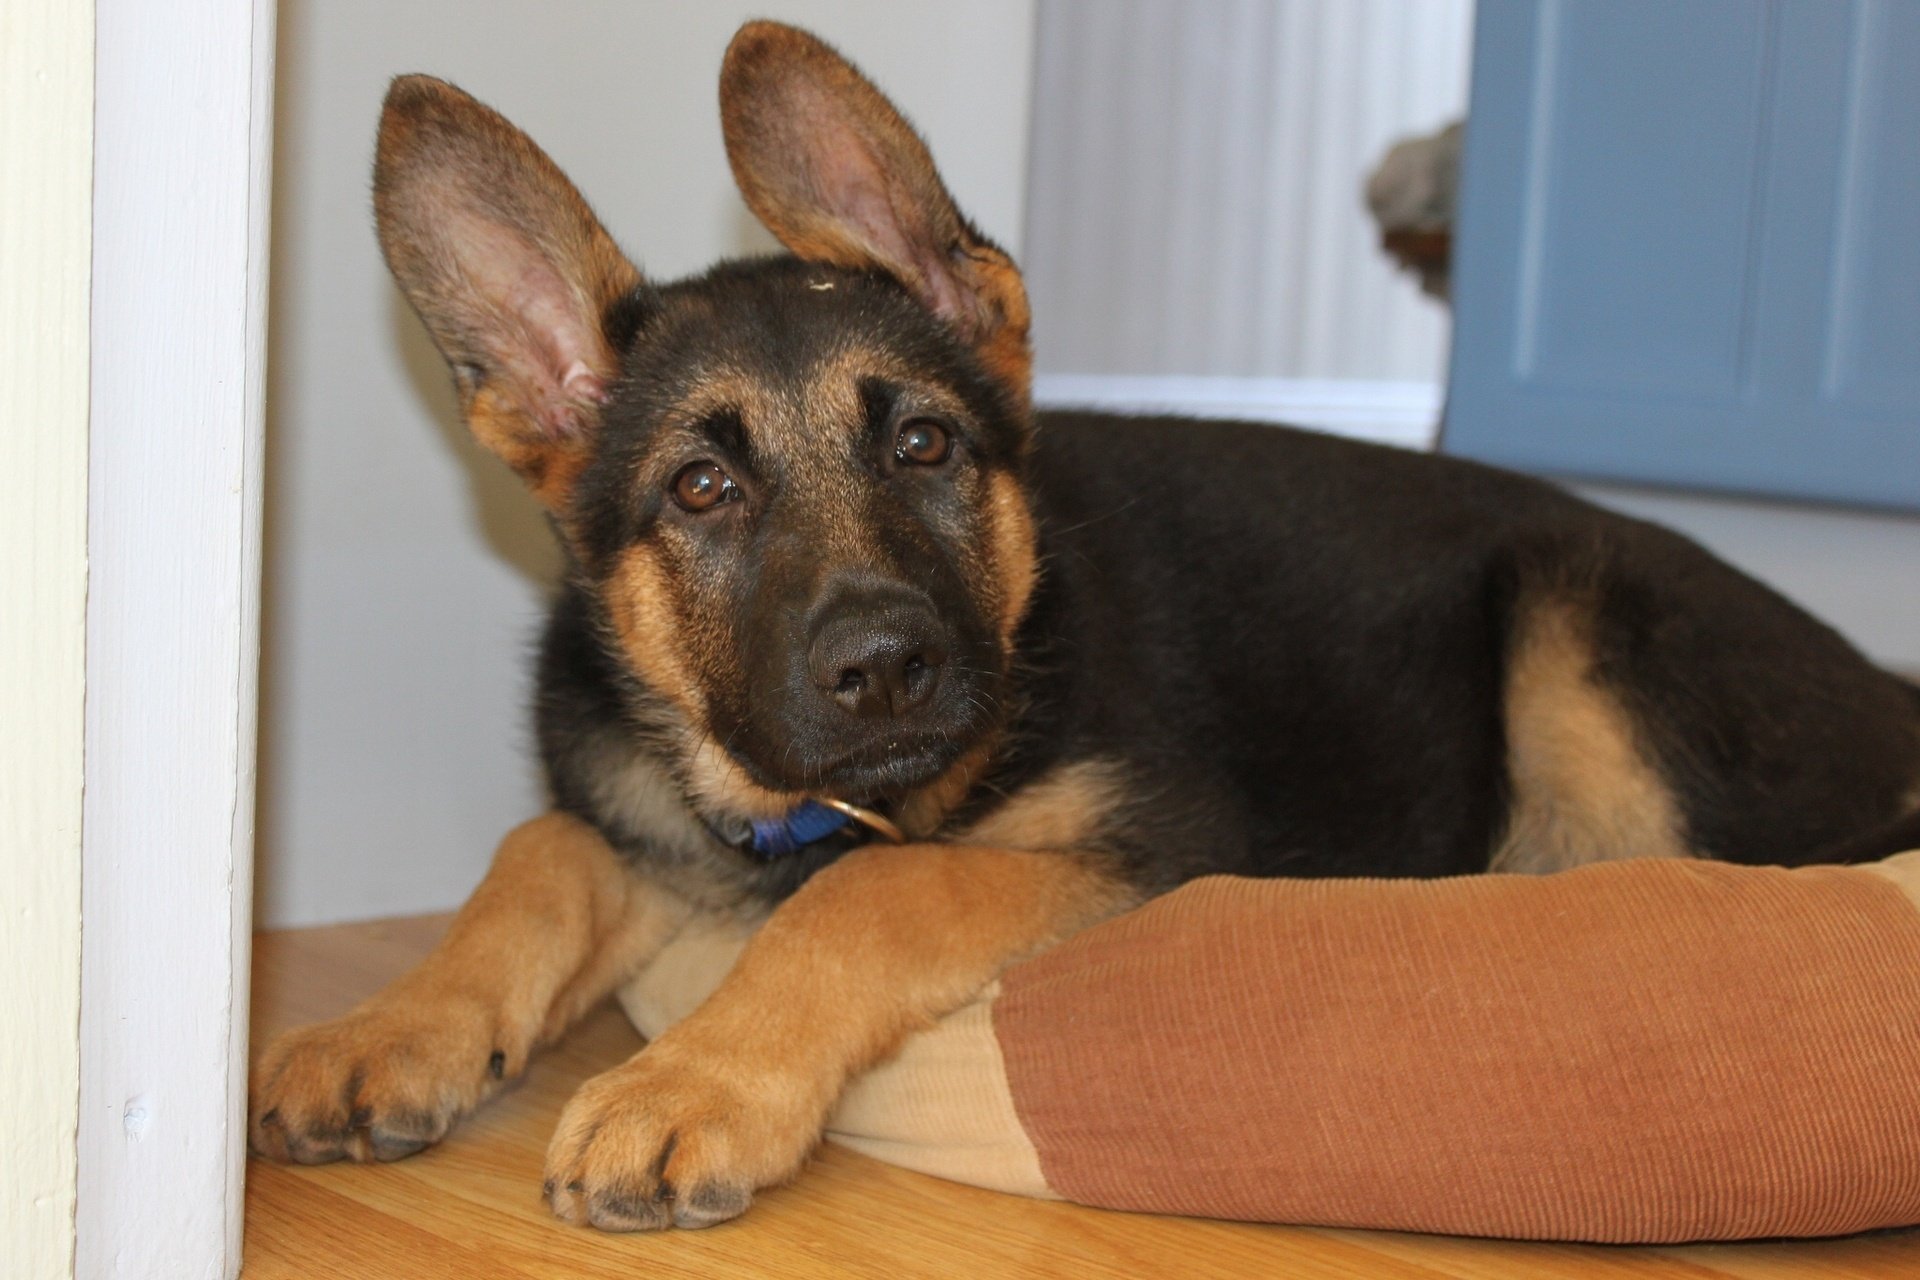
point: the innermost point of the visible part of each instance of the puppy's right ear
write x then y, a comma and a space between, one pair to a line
509, 269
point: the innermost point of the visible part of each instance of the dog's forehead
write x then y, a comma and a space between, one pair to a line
808, 359
781, 402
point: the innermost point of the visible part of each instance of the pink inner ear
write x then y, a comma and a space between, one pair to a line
545, 338
580, 389
853, 186
582, 383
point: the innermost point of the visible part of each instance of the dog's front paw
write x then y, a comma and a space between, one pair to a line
381, 1083
675, 1138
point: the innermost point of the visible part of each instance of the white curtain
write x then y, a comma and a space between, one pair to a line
1196, 233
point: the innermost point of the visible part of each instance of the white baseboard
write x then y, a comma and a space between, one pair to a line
1398, 413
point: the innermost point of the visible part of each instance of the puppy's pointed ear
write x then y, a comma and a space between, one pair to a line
831, 168
509, 269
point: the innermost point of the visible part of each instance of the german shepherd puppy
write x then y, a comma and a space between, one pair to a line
820, 554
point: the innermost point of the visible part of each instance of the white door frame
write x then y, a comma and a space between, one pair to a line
183, 129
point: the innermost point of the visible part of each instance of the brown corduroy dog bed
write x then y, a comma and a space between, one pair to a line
1642, 1051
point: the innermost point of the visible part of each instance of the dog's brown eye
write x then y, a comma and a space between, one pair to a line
923, 442
702, 485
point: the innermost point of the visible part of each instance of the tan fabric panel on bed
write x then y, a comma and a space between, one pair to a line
1637, 1051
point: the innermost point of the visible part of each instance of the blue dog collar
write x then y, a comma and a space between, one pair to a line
808, 824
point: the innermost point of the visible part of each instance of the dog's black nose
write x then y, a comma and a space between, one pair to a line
878, 656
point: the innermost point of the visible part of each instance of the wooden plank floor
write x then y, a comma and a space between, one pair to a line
470, 1209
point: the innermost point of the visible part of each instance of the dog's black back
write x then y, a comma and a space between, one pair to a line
1303, 641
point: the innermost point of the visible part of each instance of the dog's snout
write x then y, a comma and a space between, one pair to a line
878, 658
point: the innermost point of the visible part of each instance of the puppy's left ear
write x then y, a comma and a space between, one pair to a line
834, 171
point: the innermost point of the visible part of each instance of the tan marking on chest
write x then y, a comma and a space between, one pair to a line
1066, 809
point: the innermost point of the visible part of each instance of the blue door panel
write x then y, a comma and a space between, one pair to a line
1800, 202
1673, 255
1689, 246
1874, 357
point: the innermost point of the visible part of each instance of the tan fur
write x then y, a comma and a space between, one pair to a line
649, 622
1007, 351
733, 1098
1066, 809
1583, 790
806, 427
547, 467
784, 424
558, 923
792, 423
1015, 544
718, 784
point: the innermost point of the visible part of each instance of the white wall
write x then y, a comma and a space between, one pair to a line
406, 569
46, 182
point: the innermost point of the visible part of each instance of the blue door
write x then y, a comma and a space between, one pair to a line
1689, 245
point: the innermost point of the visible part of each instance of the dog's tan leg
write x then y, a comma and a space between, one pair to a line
559, 921
871, 948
